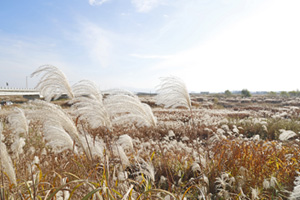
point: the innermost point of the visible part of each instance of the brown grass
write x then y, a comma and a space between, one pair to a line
250, 162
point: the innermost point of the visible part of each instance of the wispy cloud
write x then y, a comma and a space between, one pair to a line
97, 2
258, 49
20, 56
149, 56
96, 41
146, 5
142, 6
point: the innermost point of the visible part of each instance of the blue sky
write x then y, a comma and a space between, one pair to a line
212, 45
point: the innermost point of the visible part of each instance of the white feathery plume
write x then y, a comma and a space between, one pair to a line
87, 88
255, 138
195, 167
119, 152
125, 141
36, 160
17, 146
127, 193
254, 193
53, 114
88, 104
146, 168
119, 92
149, 114
6, 163
92, 110
222, 183
266, 184
48, 112
286, 134
57, 138
172, 93
53, 82
1, 129
95, 146
33, 166
18, 121
296, 191
273, 181
129, 108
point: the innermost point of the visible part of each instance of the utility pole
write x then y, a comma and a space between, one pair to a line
26, 82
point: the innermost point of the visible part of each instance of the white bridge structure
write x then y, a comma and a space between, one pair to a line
25, 92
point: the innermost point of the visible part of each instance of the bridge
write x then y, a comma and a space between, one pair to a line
26, 93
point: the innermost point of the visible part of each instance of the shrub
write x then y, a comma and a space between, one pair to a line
245, 93
284, 94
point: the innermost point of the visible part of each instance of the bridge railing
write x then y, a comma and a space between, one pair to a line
12, 89
18, 92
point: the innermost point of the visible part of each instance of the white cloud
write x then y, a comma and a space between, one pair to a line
145, 5
97, 3
259, 52
96, 41
149, 56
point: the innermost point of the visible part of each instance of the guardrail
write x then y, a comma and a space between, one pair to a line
18, 91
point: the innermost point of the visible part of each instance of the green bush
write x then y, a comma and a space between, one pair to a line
227, 93
245, 93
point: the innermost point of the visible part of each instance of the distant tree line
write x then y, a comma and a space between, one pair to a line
246, 93
286, 94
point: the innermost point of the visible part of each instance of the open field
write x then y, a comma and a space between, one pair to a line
149, 100
224, 148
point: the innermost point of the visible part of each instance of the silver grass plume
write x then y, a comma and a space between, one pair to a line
17, 146
127, 193
87, 88
19, 124
96, 146
57, 138
128, 108
296, 191
222, 183
49, 113
53, 82
92, 111
88, 105
126, 142
6, 163
1, 129
18, 121
286, 134
118, 151
145, 168
255, 193
117, 91
172, 93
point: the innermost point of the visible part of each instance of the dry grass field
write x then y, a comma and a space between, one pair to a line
248, 150
117, 145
